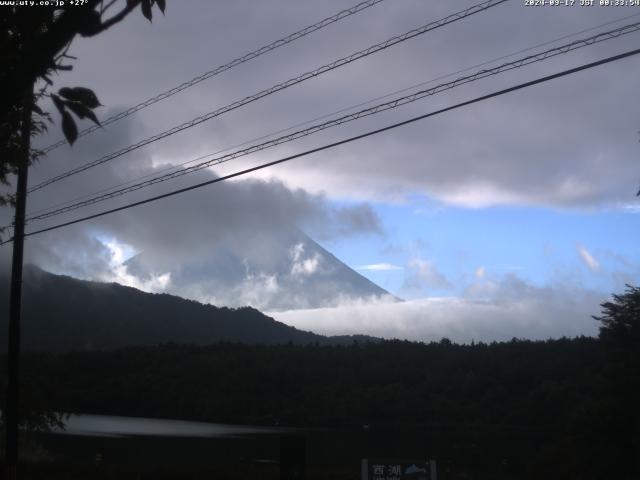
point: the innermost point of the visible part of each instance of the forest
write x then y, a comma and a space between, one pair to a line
560, 408
566, 405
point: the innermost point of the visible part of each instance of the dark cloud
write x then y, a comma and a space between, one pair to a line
567, 144
356, 219
81, 256
243, 214
571, 143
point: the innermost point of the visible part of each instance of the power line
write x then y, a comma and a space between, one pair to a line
626, 29
281, 86
327, 115
347, 118
341, 142
222, 68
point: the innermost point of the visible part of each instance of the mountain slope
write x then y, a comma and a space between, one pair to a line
285, 271
62, 313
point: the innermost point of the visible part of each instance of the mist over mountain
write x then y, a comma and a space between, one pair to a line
62, 313
273, 270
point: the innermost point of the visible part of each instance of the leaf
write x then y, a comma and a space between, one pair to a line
162, 4
57, 101
77, 108
69, 128
37, 109
91, 24
82, 111
80, 94
145, 6
66, 92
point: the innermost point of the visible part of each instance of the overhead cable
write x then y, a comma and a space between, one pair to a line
326, 115
276, 88
341, 142
222, 68
347, 118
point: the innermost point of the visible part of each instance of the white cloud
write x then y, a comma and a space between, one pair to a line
480, 195
588, 259
632, 208
120, 252
422, 274
97, 259
296, 251
508, 308
306, 267
258, 285
303, 266
480, 272
379, 267
256, 290
154, 284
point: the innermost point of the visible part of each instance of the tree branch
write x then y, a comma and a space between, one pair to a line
119, 16
37, 59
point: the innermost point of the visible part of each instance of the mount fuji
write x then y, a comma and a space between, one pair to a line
271, 272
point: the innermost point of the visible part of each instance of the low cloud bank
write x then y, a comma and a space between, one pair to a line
533, 313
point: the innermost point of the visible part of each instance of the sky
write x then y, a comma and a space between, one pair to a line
512, 217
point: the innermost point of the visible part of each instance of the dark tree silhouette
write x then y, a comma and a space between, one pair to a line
620, 335
620, 320
34, 40
34, 44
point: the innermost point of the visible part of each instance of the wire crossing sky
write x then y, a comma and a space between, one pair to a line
222, 68
515, 216
177, 168
550, 53
478, 8
342, 142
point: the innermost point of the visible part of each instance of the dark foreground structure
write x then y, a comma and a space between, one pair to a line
521, 409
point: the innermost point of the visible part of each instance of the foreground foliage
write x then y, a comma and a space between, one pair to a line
542, 405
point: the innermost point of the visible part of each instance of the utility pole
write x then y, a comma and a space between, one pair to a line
15, 303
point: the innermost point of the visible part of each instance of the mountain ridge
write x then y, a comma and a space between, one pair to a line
62, 313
